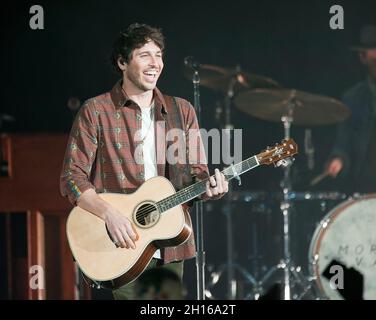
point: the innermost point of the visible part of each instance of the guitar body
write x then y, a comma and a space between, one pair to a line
101, 260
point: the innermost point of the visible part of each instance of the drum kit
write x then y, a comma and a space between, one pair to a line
344, 236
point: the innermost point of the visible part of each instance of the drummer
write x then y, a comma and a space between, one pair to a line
353, 159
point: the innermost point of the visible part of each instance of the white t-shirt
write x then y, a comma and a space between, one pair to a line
148, 148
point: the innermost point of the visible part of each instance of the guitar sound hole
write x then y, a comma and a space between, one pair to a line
147, 215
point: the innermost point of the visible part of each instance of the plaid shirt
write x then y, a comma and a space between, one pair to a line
101, 149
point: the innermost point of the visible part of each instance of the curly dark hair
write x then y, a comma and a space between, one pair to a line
134, 37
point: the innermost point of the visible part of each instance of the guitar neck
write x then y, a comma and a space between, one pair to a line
199, 188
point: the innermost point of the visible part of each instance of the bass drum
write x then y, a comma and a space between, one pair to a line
346, 237
309, 208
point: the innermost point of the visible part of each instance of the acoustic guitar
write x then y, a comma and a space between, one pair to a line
159, 218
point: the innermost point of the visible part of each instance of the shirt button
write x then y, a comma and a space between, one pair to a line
138, 136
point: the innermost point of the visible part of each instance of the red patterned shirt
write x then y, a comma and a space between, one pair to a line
103, 141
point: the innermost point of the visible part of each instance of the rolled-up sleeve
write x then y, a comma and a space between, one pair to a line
80, 153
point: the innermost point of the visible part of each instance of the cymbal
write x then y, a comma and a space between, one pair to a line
309, 109
219, 79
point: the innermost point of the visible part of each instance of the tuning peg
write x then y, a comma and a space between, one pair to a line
284, 162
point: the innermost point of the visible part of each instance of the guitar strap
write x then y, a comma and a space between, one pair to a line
179, 174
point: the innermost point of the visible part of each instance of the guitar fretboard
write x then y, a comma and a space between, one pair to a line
198, 188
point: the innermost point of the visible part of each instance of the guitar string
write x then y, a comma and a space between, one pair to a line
251, 162
144, 212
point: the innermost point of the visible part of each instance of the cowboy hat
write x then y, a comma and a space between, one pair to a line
367, 39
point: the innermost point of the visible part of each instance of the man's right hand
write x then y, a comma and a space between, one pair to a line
120, 228
334, 167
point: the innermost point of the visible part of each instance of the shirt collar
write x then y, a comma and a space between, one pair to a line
120, 98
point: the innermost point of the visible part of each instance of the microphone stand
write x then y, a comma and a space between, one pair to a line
200, 254
227, 209
231, 282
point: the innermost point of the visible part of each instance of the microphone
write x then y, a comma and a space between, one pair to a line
73, 104
190, 62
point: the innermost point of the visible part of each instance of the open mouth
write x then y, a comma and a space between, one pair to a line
151, 75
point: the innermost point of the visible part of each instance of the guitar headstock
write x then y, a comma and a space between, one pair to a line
280, 154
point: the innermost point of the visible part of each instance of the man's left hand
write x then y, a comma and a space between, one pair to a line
216, 186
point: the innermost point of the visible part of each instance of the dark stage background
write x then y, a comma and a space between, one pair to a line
289, 41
